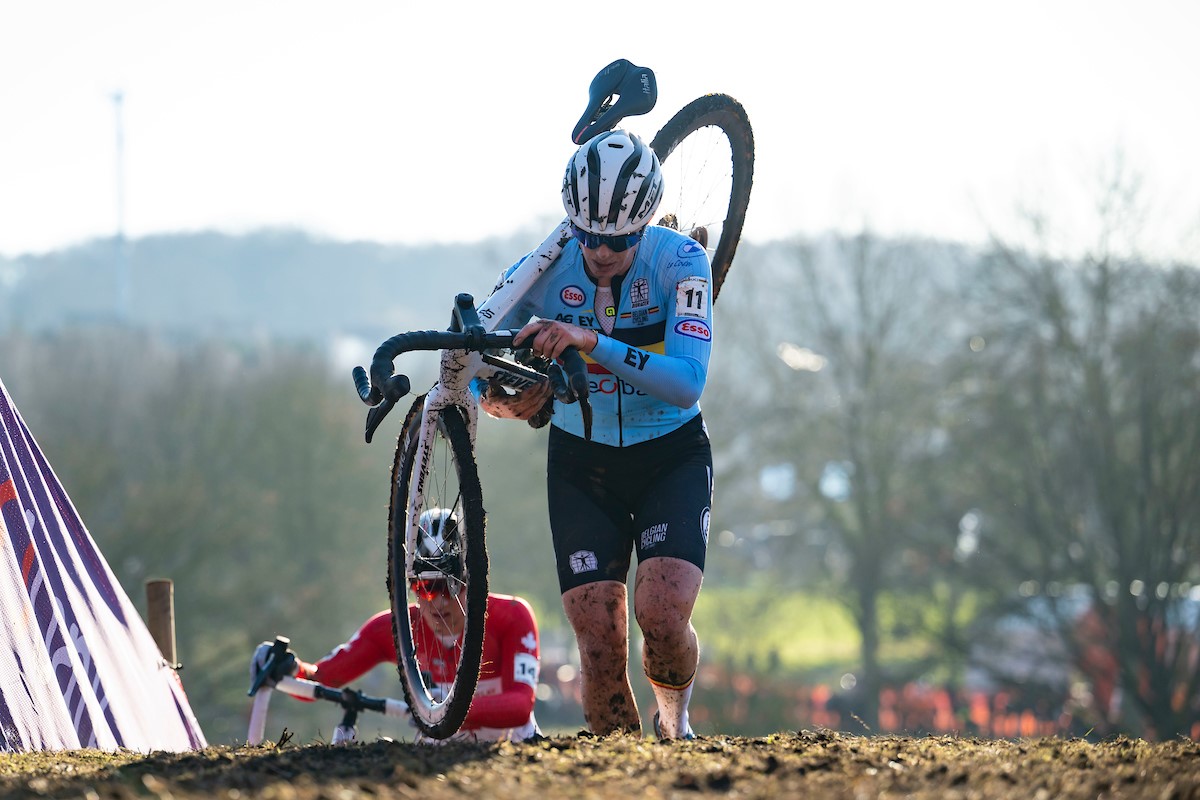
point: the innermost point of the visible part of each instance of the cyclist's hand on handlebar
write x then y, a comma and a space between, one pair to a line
497, 402
550, 338
280, 668
564, 343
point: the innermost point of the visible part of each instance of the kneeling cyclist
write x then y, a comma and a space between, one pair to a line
503, 704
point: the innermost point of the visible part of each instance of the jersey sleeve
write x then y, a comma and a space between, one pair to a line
677, 375
371, 644
520, 656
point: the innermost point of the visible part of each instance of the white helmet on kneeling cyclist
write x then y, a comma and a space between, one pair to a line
438, 555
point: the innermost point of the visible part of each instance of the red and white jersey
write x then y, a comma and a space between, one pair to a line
508, 673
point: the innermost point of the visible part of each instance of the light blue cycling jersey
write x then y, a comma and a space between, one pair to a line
646, 377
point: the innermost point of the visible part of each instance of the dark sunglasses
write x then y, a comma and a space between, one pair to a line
431, 588
618, 244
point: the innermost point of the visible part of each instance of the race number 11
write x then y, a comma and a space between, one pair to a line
691, 298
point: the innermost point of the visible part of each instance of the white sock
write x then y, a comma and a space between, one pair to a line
673, 709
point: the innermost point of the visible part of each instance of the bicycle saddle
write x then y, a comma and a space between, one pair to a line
635, 91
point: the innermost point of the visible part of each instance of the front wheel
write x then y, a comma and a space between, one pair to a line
439, 679
707, 154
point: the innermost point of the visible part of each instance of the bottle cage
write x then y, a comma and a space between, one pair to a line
635, 93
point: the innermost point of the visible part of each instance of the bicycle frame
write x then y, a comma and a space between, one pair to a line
468, 350
458, 368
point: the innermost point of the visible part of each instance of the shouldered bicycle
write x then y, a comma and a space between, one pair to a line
707, 153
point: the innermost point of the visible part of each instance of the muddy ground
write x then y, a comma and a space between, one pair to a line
805, 764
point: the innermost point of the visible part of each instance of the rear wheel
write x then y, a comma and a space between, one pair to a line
439, 680
707, 154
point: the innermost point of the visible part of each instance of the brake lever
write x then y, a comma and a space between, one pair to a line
278, 652
375, 415
392, 390
576, 385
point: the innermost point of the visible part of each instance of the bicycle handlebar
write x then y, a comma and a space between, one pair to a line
350, 699
381, 389
376, 388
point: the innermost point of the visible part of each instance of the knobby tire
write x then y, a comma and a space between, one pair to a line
725, 115
438, 720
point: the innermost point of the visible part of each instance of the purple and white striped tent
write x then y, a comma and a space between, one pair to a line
78, 666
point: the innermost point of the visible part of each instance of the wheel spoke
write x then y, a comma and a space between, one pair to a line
438, 678
707, 153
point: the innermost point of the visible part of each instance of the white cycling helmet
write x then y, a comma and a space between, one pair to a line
438, 555
613, 184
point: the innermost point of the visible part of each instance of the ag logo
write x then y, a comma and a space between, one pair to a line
572, 296
690, 249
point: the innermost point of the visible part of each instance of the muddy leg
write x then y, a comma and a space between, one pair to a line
664, 593
600, 617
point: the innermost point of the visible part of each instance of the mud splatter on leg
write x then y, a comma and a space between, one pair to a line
599, 614
665, 591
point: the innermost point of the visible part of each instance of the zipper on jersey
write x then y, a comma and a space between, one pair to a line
617, 293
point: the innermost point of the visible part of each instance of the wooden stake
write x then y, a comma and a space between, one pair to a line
160, 613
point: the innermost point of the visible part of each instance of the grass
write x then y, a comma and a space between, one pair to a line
789, 632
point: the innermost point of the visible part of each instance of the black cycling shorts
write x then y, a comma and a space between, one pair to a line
654, 497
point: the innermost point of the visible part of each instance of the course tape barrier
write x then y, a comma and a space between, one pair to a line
78, 666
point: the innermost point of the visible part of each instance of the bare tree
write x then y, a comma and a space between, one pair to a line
849, 338
1085, 422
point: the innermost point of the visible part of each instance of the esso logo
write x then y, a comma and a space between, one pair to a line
694, 328
572, 296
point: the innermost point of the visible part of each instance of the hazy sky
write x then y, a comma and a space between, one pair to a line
405, 122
